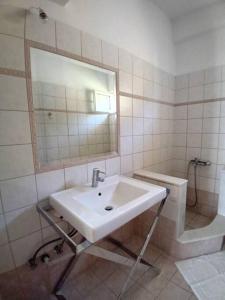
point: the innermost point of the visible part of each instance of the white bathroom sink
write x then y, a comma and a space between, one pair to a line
96, 212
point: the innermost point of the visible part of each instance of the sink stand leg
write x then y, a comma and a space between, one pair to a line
140, 256
65, 274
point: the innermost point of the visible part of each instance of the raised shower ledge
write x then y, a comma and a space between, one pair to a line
215, 229
160, 177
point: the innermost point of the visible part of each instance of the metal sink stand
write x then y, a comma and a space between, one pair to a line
44, 208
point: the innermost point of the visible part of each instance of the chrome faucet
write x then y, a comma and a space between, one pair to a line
96, 178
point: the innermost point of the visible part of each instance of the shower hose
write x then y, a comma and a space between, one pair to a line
195, 183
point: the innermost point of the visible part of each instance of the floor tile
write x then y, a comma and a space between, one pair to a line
84, 283
116, 281
173, 292
102, 269
178, 279
152, 253
154, 284
101, 292
137, 292
166, 265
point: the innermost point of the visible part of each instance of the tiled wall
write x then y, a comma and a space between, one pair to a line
146, 127
199, 131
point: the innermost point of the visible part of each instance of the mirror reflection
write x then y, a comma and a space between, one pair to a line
74, 109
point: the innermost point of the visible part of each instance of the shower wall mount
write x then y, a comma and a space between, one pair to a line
198, 162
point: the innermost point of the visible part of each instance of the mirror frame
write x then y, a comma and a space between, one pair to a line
38, 168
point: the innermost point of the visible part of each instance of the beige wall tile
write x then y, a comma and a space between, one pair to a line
138, 88
6, 264
212, 109
138, 108
180, 112
195, 125
196, 93
91, 47
211, 125
196, 78
138, 143
212, 91
125, 61
222, 125
181, 95
68, 38
113, 166
125, 82
126, 145
3, 233
12, 20
210, 154
19, 192
22, 222
125, 126
126, 164
222, 112
222, 141
12, 52
23, 248
213, 74
49, 182
110, 55
148, 158
138, 126
14, 128
148, 109
138, 161
194, 140
125, 106
181, 81
179, 139
180, 126
16, 161
221, 157
148, 88
195, 111
13, 93
76, 175
210, 140
40, 31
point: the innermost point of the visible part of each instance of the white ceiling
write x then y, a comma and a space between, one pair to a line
176, 8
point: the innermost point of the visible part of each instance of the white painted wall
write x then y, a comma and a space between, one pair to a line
200, 39
135, 25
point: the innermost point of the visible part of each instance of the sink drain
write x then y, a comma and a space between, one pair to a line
108, 208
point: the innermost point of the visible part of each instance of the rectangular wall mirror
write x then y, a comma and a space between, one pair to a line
74, 110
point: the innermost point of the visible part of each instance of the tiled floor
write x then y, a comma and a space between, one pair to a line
194, 220
104, 280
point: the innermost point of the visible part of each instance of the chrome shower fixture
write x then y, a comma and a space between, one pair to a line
195, 163
41, 13
198, 162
